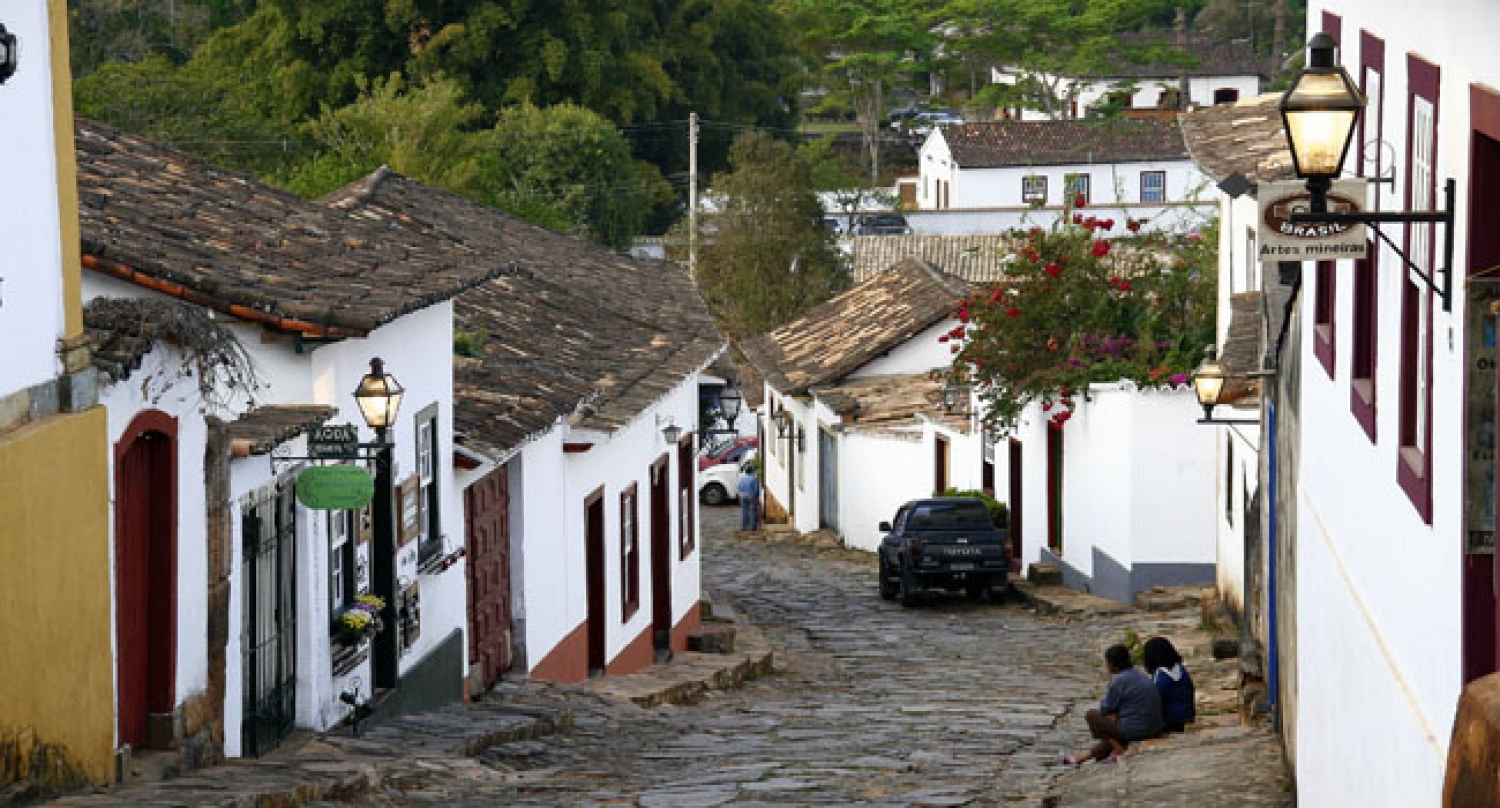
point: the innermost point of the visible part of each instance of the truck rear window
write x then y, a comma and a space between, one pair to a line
950, 516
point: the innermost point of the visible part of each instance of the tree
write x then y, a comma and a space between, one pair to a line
572, 160
862, 48
1079, 307
768, 259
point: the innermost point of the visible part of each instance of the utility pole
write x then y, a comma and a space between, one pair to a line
693, 195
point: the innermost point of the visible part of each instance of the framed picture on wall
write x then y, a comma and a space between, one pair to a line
408, 509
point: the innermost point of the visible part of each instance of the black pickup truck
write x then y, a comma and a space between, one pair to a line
947, 543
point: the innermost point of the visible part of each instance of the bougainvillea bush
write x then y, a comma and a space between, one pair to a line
1089, 300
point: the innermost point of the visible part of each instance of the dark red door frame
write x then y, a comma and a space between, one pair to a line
146, 572
593, 538
661, 554
1481, 608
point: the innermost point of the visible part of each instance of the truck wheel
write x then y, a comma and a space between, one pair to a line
714, 494
888, 587
911, 587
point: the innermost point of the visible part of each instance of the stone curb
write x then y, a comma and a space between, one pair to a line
1049, 599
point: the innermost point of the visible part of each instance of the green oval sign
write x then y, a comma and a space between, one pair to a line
334, 488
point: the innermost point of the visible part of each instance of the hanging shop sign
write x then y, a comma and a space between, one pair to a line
1280, 239
334, 488
333, 442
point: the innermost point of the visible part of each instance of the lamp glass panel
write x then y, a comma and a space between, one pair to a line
1207, 383
1318, 139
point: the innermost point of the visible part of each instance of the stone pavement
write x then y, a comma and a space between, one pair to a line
949, 703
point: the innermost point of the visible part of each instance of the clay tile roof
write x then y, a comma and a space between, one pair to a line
1242, 348
166, 220
577, 331
1245, 137
974, 258
264, 428
891, 402
1002, 144
837, 337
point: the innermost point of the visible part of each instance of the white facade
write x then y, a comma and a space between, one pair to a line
1136, 491
1378, 672
1115, 190
878, 469
31, 293
1146, 92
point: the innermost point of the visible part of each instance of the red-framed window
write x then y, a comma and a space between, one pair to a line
1414, 455
1324, 303
630, 553
1372, 162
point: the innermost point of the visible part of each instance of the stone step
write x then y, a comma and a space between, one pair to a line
1044, 574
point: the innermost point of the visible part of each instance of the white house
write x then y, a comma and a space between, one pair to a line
1119, 498
853, 424
1214, 72
238, 588
1026, 172
1370, 489
577, 409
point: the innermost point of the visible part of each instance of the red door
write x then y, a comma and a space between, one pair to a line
145, 573
487, 520
593, 550
661, 557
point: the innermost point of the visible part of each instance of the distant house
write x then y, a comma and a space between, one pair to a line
977, 259
1026, 171
231, 591
852, 421
576, 414
1214, 72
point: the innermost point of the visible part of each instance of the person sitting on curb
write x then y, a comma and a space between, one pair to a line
749, 493
1172, 682
1129, 711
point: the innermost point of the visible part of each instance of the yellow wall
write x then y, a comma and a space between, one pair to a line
56, 667
67, 167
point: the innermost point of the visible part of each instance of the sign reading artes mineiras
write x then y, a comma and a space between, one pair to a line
1281, 239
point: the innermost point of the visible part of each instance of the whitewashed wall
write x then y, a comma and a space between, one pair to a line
870, 490
919, 354
31, 275
1147, 93
1361, 639
160, 384
1109, 183
548, 584
1173, 218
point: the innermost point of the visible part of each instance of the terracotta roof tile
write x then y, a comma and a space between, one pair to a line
974, 258
264, 428
1001, 144
1207, 57
158, 216
577, 332
891, 402
1245, 137
837, 337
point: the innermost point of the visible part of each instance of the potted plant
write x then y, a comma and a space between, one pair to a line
362, 619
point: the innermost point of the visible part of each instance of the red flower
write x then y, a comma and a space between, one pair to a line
1053, 270
1124, 286
1100, 248
1078, 200
1046, 405
952, 349
963, 315
1108, 224
1031, 256
1132, 225
1078, 218
997, 294
1012, 312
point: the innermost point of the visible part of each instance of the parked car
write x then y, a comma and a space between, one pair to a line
718, 485
882, 224
923, 123
731, 451
944, 542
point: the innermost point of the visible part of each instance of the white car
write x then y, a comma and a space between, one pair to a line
720, 484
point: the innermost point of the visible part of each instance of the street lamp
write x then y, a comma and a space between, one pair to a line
730, 402
953, 395
1208, 384
670, 431
379, 398
7, 54
1319, 111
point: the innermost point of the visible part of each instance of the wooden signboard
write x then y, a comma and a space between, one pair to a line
409, 515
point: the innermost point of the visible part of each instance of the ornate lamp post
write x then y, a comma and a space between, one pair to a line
379, 397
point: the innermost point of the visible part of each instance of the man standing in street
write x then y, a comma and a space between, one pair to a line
749, 492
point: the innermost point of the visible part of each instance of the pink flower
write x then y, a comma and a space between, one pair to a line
1178, 379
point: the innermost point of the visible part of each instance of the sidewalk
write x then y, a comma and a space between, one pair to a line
336, 766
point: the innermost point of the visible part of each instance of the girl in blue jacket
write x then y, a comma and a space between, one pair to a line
1172, 682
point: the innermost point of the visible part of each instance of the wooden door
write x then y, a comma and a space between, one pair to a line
1481, 575
268, 639
828, 480
1055, 489
487, 528
145, 574
661, 555
939, 465
593, 538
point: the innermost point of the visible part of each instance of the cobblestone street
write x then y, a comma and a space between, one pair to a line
951, 703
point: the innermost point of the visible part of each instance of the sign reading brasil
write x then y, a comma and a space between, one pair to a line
333, 442
1279, 239
334, 488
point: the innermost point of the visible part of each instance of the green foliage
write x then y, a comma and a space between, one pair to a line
469, 344
769, 259
999, 512
1078, 307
